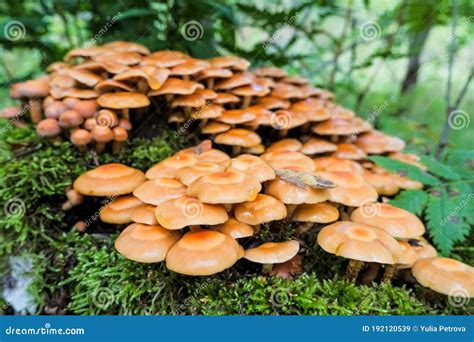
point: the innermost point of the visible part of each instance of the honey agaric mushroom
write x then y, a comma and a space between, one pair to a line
48, 128
230, 62
253, 166
336, 164
124, 101
377, 143
288, 144
284, 159
408, 158
262, 209
422, 248
214, 127
54, 110
225, 98
109, 180
120, 135
189, 174
73, 198
447, 276
290, 193
238, 138
397, 222
225, 187
80, 138
270, 102
360, 243
314, 213
86, 108
120, 210
271, 253
189, 211
317, 146
336, 127
351, 189
102, 135
159, 190
235, 229
34, 91
70, 119
145, 214
349, 151
202, 253
144, 243
384, 184
169, 166
288, 269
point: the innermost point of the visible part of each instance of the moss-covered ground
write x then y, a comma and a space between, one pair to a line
81, 273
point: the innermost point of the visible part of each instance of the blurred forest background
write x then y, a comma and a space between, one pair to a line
405, 66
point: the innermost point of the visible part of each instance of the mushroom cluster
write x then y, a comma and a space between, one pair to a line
194, 208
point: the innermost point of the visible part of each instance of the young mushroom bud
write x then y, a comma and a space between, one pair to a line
101, 135
120, 135
80, 138
48, 128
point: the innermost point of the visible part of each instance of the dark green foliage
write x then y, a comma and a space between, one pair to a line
446, 200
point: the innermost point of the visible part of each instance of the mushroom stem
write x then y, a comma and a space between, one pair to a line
236, 150
290, 210
267, 268
353, 269
195, 228
126, 113
116, 146
142, 86
370, 274
334, 138
35, 110
303, 228
169, 98
186, 77
390, 271
246, 101
99, 147
283, 133
210, 83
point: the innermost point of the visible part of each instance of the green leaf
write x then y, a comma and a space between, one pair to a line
411, 171
445, 221
412, 200
439, 169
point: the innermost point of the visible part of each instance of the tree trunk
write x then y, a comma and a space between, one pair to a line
417, 44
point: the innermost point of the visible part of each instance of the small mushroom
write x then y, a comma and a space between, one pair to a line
235, 229
226, 187
109, 180
360, 243
144, 243
271, 253
159, 190
314, 213
120, 210
80, 138
203, 253
444, 275
102, 135
188, 211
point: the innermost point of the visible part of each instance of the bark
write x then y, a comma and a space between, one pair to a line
417, 44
